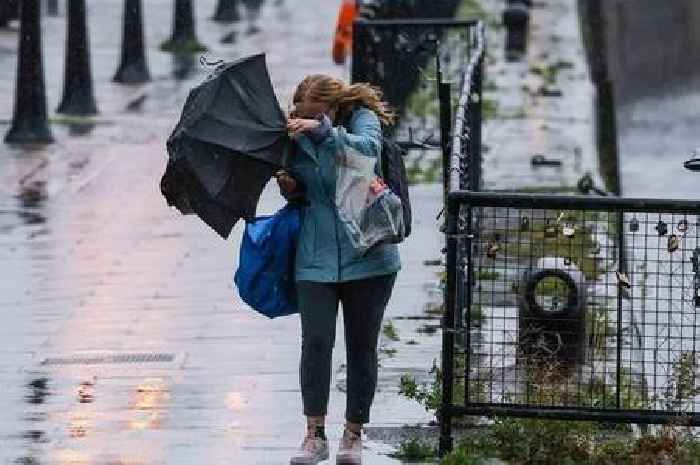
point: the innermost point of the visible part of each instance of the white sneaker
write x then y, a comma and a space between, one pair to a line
350, 449
312, 451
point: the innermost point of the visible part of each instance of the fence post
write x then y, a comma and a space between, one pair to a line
444, 90
448, 330
475, 125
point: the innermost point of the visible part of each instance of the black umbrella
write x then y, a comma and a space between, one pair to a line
231, 138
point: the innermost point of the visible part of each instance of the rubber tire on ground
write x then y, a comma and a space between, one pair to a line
574, 301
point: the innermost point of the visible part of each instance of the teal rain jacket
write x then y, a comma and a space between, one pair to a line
324, 252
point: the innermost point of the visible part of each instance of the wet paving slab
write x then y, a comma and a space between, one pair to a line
124, 340
541, 105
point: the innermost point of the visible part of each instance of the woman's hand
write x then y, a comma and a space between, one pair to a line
298, 125
287, 183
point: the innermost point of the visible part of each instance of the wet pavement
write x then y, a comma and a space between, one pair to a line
123, 338
541, 105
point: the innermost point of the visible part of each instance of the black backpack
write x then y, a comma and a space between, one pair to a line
393, 171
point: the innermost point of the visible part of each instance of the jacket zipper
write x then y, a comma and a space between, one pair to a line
337, 239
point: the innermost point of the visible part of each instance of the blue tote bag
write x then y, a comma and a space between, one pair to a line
265, 275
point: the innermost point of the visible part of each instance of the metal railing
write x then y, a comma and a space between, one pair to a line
569, 307
403, 58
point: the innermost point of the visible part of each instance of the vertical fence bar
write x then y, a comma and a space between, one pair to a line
445, 125
622, 268
448, 334
475, 125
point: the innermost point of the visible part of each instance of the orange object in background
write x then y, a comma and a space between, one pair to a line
342, 44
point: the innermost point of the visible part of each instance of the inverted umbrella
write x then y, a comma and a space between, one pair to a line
231, 138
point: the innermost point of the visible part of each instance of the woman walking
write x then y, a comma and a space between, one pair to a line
329, 270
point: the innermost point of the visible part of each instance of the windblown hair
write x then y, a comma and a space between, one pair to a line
343, 97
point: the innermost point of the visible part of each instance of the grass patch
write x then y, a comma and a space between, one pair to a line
551, 286
471, 9
486, 275
434, 309
418, 174
390, 331
388, 351
489, 109
428, 329
414, 450
183, 46
550, 72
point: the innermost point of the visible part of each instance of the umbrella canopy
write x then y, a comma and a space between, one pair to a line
231, 138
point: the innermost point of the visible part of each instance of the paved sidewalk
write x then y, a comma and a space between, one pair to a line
94, 263
524, 122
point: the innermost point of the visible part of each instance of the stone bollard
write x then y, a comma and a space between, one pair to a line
516, 18
227, 11
184, 38
253, 8
52, 7
78, 96
133, 68
9, 9
30, 123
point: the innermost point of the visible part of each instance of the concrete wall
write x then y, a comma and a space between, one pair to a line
653, 45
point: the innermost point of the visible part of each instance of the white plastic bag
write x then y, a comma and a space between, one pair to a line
370, 211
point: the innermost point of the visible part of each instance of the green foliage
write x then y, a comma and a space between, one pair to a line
462, 457
486, 275
544, 442
429, 396
414, 450
390, 331
471, 9
489, 109
551, 286
417, 174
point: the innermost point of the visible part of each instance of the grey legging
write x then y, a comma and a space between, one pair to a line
364, 301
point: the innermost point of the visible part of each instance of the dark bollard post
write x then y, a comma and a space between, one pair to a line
9, 9
29, 121
227, 11
78, 96
133, 68
253, 8
516, 18
184, 38
52, 7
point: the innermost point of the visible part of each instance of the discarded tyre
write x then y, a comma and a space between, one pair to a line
552, 316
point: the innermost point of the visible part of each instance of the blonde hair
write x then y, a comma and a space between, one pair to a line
343, 97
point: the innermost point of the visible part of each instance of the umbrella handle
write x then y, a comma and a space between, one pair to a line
203, 61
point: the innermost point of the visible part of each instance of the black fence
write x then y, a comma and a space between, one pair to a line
404, 57
395, 9
571, 307
561, 307
564, 307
